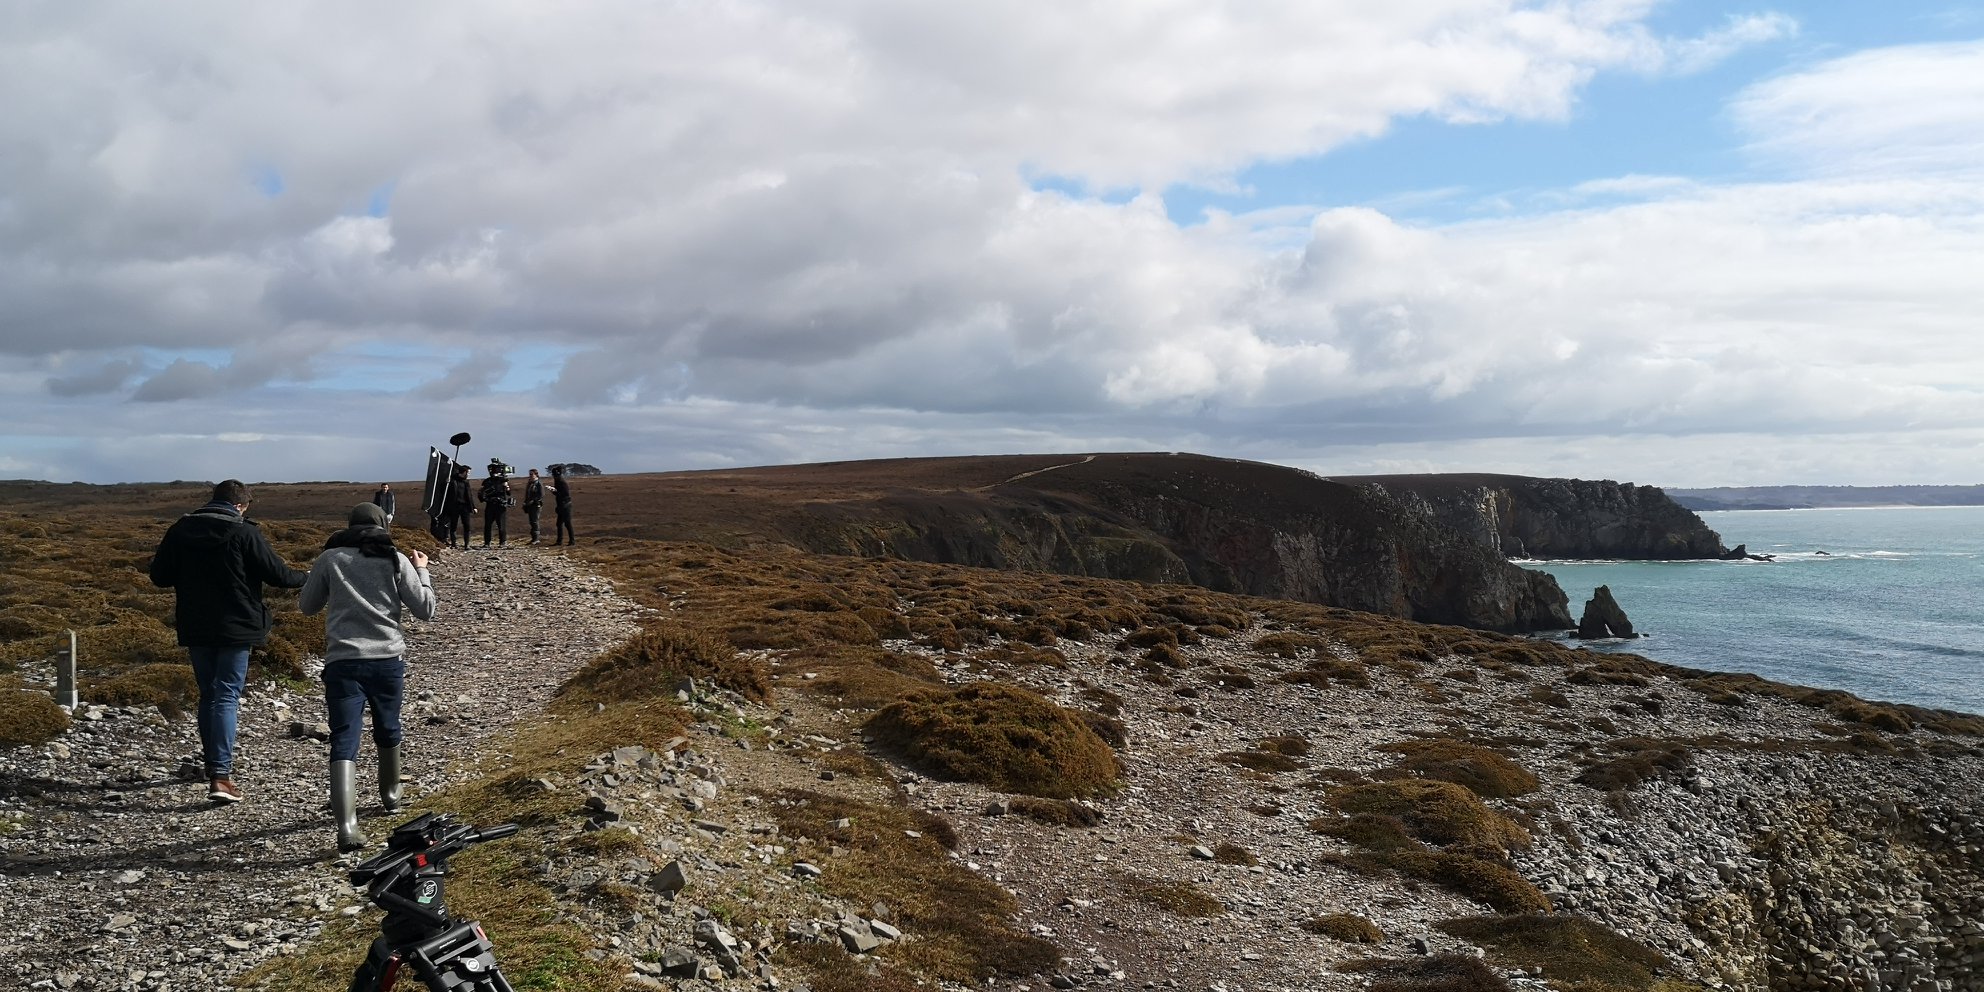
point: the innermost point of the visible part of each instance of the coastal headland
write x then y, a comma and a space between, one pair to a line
1118, 721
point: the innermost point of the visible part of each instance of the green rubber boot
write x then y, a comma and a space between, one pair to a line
344, 804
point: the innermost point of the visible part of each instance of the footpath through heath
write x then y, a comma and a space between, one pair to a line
117, 872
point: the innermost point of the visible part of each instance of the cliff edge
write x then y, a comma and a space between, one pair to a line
1524, 517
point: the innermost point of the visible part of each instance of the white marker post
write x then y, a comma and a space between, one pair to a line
65, 674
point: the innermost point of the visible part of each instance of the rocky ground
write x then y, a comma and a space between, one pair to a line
1777, 858
120, 875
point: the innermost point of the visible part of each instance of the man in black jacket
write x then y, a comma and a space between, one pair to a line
383, 499
216, 561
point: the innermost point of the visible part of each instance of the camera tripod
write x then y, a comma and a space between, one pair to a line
407, 881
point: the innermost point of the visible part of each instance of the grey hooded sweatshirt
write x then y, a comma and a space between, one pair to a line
364, 595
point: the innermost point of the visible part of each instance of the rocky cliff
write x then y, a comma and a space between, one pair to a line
1228, 525
1524, 517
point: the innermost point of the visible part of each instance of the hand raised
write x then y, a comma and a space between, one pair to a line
419, 559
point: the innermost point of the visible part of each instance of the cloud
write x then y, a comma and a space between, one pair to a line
106, 377
739, 220
1916, 109
472, 376
181, 380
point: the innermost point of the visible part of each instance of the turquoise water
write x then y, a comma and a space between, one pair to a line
1894, 612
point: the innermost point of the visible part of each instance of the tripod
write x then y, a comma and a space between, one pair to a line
407, 881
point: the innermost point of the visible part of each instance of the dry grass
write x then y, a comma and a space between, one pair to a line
1003, 736
1574, 953
648, 665
1176, 898
962, 920
1435, 812
1635, 760
1487, 773
1347, 927
1440, 973
29, 717
1057, 812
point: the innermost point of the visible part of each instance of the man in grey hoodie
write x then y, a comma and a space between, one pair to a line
363, 581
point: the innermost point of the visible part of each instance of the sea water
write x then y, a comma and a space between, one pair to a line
1885, 603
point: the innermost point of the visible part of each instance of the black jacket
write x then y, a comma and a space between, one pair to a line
217, 563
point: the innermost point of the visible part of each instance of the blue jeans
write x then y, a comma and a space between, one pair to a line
221, 671
349, 686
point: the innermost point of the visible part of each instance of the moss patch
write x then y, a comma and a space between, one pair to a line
1575, 953
1002, 736
29, 717
1484, 772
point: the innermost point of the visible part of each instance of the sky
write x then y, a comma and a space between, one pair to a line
1676, 243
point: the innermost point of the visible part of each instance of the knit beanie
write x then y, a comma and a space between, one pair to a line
367, 515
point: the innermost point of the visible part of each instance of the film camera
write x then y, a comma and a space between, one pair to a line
498, 466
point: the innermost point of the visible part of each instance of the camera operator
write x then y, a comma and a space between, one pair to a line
496, 503
363, 581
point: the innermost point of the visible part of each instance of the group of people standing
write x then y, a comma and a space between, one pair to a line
216, 561
496, 497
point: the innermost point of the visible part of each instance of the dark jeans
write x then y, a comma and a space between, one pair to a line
221, 671
493, 515
565, 526
457, 525
349, 686
531, 513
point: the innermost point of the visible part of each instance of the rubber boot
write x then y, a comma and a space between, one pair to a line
344, 804
389, 778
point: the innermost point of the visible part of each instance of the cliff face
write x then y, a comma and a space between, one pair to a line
1231, 526
1561, 518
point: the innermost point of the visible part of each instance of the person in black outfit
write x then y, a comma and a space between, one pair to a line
561, 500
533, 502
383, 499
460, 503
216, 562
496, 503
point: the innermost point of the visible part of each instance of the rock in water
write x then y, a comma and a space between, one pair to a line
1603, 617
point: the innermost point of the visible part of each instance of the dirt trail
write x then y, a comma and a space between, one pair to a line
117, 872
1027, 475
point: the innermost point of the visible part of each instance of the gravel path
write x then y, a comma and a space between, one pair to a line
117, 872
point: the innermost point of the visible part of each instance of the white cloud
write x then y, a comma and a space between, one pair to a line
1912, 109
819, 213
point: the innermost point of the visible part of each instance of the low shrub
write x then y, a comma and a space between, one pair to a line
648, 664
29, 717
170, 687
1228, 853
1436, 812
1439, 973
1487, 773
1642, 759
1003, 736
1347, 927
1495, 885
1260, 761
1383, 834
1176, 898
1057, 812
1571, 950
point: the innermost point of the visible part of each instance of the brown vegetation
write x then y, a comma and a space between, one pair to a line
1003, 736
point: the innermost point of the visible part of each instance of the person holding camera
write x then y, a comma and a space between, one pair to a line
362, 582
533, 502
496, 503
216, 562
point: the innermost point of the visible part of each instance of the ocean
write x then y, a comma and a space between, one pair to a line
1892, 610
